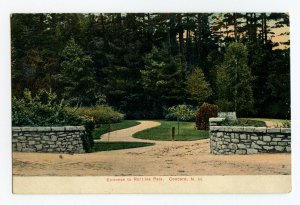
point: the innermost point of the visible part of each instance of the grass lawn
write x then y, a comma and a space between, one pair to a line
97, 132
164, 132
108, 146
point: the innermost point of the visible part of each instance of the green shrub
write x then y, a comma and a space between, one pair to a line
203, 114
100, 114
44, 110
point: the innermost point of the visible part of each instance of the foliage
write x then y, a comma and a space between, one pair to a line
100, 114
87, 138
77, 75
243, 122
138, 62
234, 81
164, 132
44, 110
286, 124
41, 110
203, 114
104, 128
197, 87
162, 77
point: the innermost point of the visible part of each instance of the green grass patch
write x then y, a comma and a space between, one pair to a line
97, 132
163, 132
108, 146
244, 122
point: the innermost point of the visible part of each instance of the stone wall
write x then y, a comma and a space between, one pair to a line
249, 140
65, 139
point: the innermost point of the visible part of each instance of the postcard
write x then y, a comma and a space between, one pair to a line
151, 103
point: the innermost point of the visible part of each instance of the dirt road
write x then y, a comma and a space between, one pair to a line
164, 158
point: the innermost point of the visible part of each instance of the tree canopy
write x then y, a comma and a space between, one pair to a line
140, 63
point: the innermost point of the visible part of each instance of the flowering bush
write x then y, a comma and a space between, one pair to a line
181, 112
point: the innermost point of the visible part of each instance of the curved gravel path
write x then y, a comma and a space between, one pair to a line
125, 135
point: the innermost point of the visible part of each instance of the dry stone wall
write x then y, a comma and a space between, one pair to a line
66, 139
248, 140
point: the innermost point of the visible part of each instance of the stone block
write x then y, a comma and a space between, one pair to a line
57, 129
227, 140
273, 130
214, 128
227, 115
260, 129
39, 147
283, 143
243, 136
220, 134
255, 146
288, 149
216, 119
74, 142
31, 142
252, 151
53, 138
268, 147
279, 148
240, 152
266, 138
29, 129
16, 129
228, 129
21, 138
46, 138
43, 129
224, 146
254, 137
273, 143
249, 129
286, 130
70, 128
235, 140
237, 129
232, 146
276, 139
241, 146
